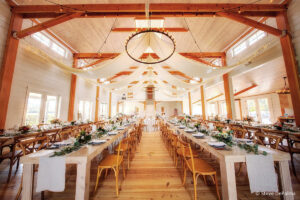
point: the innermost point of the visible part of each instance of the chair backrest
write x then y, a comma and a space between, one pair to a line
187, 154
238, 132
32, 145
274, 140
65, 134
118, 152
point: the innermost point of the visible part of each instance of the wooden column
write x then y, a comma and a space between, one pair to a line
155, 106
145, 105
118, 104
97, 103
181, 107
203, 102
241, 111
109, 105
8, 65
228, 96
290, 64
72, 92
190, 103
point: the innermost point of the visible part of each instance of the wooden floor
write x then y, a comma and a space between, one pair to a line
152, 175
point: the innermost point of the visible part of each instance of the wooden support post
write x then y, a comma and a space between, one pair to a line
145, 105
8, 65
190, 103
109, 105
155, 106
203, 102
97, 103
118, 104
72, 92
290, 64
228, 96
241, 111
181, 107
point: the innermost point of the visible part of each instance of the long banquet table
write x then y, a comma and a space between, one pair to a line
82, 158
227, 159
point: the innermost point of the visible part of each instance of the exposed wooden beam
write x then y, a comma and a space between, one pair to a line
8, 65
45, 25
245, 90
72, 92
262, 20
251, 22
56, 37
204, 54
11, 3
241, 111
147, 55
95, 55
291, 67
203, 102
142, 29
97, 103
227, 96
122, 73
153, 8
212, 98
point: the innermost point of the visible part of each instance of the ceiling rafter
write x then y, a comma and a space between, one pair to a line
195, 58
157, 9
251, 22
95, 55
246, 89
204, 54
44, 25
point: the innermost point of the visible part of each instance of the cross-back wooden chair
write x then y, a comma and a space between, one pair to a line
52, 135
125, 148
267, 139
65, 134
239, 132
8, 151
29, 146
113, 162
198, 167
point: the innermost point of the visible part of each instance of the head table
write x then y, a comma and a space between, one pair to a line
82, 158
227, 159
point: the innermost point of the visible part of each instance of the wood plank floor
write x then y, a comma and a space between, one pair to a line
152, 175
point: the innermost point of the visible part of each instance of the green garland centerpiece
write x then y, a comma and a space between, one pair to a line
81, 140
101, 131
224, 137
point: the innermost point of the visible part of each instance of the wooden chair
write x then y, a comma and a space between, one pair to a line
293, 149
184, 152
125, 148
30, 146
267, 139
65, 134
198, 167
238, 132
8, 151
112, 162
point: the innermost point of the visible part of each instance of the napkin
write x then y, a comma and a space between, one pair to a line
51, 174
261, 173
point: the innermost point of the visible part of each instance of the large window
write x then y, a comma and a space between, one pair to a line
223, 109
41, 108
248, 42
211, 109
55, 47
33, 109
103, 109
264, 111
251, 107
197, 109
50, 108
85, 110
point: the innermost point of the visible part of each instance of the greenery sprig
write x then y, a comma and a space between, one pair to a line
251, 148
226, 138
82, 139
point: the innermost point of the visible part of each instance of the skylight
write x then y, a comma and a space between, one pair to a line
149, 50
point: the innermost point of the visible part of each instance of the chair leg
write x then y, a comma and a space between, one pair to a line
20, 189
293, 165
240, 169
117, 184
195, 186
18, 163
204, 178
128, 157
106, 171
11, 164
123, 166
184, 176
98, 176
217, 187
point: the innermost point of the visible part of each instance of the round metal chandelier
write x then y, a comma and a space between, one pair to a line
150, 31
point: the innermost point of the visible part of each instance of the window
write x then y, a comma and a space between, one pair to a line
257, 36
238, 49
197, 109
251, 106
217, 62
85, 110
211, 109
41, 108
50, 109
42, 39
223, 109
59, 50
33, 109
144, 23
103, 109
264, 111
